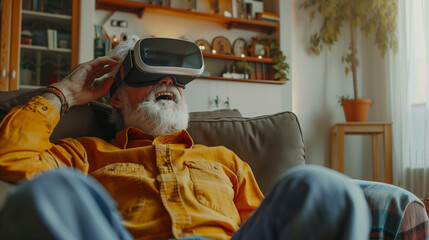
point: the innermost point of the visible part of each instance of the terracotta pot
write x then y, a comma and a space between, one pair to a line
356, 110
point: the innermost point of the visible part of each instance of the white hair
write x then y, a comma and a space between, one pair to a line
122, 50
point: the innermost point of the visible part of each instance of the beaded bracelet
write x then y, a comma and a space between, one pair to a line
60, 95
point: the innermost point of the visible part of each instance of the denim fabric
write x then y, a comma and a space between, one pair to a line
310, 202
61, 204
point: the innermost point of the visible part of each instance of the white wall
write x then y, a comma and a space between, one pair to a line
252, 99
87, 19
318, 80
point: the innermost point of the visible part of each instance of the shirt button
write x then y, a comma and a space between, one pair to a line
44, 108
171, 199
112, 169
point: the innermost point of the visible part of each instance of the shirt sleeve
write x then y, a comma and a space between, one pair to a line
249, 196
25, 148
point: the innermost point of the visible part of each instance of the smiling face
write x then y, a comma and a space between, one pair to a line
156, 109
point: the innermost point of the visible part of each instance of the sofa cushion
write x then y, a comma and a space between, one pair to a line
11, 99
220, 113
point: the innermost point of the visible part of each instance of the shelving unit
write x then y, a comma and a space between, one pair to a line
139, 8
31, 58
239, 58
43, 48
243, 80
41, 65
28, 15
233, 57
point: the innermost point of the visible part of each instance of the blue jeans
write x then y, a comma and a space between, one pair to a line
308, 202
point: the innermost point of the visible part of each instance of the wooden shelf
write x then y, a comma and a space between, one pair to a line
243, 80
139, 8
35, 15
43, 48
234, 57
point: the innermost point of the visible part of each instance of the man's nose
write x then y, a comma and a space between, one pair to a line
167, 81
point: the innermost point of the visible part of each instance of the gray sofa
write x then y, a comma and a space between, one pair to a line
269, 144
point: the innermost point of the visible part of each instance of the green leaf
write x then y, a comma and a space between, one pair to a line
374, 18
312, 14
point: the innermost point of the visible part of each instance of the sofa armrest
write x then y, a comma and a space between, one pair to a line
396, 212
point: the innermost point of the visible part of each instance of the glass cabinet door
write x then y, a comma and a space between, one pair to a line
9, 44
6, 19
46, 28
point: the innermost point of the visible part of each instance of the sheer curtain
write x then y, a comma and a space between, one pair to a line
409, 89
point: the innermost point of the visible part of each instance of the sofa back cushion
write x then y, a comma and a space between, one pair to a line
269, 144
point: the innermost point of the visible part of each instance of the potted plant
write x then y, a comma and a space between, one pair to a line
281, 67
371, 17
242, 67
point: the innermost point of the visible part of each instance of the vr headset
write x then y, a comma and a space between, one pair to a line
153, 59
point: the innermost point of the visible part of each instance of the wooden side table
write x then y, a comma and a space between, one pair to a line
375, 129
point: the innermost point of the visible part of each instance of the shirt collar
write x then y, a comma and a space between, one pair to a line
133, 137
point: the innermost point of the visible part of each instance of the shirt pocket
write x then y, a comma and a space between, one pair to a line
212, 186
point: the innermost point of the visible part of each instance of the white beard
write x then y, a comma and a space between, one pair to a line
157, 117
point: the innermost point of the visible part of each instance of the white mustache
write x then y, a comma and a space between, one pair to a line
160, 88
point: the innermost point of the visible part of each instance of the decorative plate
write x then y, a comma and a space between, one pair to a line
204, 46
259, 49
221, 45
239, 47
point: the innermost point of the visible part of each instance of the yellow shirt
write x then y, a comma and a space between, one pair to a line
165, 187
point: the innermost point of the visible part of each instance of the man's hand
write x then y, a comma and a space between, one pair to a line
77, 86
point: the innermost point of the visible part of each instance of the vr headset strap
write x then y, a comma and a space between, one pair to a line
123, 72
127, 65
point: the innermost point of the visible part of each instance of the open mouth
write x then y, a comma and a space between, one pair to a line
164, 95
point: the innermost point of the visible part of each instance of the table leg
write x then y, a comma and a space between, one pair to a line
375, 157
334, 149
387, 149
340, 151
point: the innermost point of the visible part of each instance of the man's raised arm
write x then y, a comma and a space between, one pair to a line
25, 148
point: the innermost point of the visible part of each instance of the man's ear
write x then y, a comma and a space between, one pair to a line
116, 100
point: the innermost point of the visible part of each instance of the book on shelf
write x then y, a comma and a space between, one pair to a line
252, 74
234, 9
63, 40
34, 5
272, 73
266, 16
52, 38
262, 70
27, 4
102, 43
258, 72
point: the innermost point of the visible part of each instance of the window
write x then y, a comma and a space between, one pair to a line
419, 52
